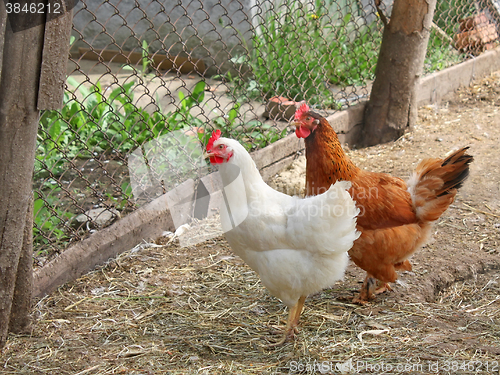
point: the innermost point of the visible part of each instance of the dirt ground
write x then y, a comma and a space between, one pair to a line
170, 310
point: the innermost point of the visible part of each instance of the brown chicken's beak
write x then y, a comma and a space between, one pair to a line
296, 124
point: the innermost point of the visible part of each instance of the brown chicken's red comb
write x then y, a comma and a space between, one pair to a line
304, 108
215, 136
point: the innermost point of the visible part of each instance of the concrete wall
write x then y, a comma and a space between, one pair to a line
209, 29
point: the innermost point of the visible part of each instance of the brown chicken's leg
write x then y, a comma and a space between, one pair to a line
386, 287
382, 287
291, 324
371, 286
366, 291
403, 266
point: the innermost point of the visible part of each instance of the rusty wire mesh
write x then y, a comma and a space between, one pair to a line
461, 29
144, 69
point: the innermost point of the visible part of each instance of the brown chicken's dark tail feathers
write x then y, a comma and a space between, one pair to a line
435, 182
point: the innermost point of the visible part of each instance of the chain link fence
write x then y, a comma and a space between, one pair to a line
175, 70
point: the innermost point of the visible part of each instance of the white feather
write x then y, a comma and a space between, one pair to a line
297, 246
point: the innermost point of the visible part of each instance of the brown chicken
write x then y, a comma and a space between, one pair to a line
395, 217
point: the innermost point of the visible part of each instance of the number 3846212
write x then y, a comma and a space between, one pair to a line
31, 8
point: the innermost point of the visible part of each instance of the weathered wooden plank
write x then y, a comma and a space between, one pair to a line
349, 123
3, 26
434, 86
54, 59
168, 62
270, 171
277, 150
180, 202
343, 122
20, 320
213, 184
21, 55
147, 222
352, 137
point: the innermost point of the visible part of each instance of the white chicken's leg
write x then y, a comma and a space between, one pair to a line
298, 310
293, 320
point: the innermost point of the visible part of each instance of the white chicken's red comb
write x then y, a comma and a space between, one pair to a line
304, 108
215, 136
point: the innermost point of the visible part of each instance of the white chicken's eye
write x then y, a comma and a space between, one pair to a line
221, 146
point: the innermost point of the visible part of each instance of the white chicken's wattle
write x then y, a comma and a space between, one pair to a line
297, 246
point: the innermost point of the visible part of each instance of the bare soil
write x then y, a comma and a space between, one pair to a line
165, 309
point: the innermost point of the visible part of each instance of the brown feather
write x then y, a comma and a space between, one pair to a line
436, 183
393, 221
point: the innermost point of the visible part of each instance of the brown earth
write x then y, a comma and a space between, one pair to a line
165, 309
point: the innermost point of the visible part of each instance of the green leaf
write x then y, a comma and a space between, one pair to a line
182, 98
198, 93
38, 204
233, 113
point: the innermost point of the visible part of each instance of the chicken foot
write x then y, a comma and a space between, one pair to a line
386, 287
371, 287
366, 291
382, 287
292, 322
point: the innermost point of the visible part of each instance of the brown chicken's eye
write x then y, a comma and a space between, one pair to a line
308, 118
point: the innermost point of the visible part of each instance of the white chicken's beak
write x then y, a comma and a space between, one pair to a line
208, 154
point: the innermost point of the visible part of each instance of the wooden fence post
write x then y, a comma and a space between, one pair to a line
23, 38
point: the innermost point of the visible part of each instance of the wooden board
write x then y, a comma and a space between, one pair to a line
213, 185
21, 46
183, 65
54, 60
277, 151
433, 87
147, 222
272, 170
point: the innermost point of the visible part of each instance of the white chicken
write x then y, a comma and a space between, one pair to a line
297, 246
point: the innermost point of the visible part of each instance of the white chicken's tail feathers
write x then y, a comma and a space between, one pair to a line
324, 223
